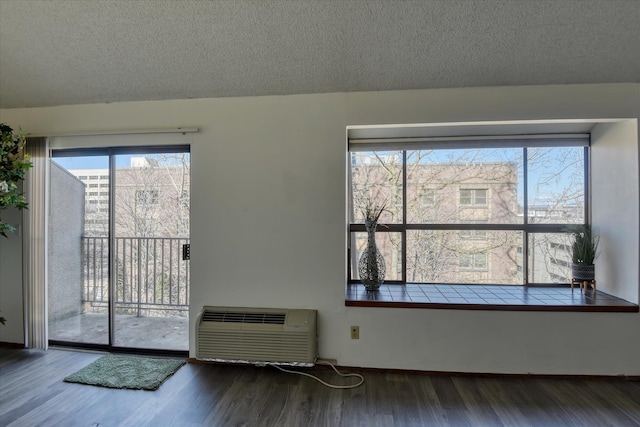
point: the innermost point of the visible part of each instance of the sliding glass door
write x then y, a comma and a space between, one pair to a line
119, 227
78, 270
151, 227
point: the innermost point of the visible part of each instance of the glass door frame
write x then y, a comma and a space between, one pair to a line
111, 153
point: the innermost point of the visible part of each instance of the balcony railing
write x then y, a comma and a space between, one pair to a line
151, 279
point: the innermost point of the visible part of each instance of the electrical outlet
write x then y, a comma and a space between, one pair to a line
355, 332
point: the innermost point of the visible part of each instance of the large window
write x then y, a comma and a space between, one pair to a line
473, 212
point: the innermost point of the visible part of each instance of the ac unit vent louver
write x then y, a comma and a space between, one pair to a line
243, 317
257, 335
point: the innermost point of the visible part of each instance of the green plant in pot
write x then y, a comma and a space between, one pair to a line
584, 254
14, 163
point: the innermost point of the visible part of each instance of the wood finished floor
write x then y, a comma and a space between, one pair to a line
32, 393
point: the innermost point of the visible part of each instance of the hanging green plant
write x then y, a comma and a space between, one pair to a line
14, 163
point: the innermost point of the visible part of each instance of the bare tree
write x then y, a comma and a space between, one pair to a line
152, 197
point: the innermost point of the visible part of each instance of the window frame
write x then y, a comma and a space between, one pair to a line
527, 228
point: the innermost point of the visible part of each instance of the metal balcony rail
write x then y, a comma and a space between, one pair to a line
150, 276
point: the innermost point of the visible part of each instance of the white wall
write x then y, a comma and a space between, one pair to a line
615, 206
268, 222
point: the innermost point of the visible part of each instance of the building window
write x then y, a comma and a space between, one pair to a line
427, 197
93, 185
473, 261
146, 197
473, 197
473, 234
560, 262
560, 246
451, 210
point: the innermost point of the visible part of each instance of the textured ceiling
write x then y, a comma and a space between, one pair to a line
88, 51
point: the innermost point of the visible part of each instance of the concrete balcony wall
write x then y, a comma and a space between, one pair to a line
66, 222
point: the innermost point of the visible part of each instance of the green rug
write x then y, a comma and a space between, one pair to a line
115, 371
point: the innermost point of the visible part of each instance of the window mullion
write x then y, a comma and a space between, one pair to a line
351, 255
403, 234
525, 219
587, 185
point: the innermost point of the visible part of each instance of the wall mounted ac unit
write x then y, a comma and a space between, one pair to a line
257, 335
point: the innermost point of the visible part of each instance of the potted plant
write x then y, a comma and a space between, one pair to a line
14, 163
584, 254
